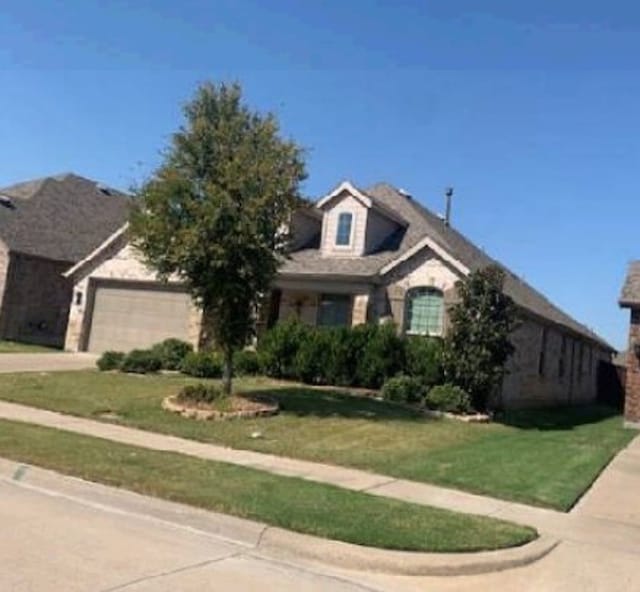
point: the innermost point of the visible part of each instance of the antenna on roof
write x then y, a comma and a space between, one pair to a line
448, 193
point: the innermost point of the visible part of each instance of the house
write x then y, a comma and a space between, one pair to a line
46, 225
358, 256
630, 298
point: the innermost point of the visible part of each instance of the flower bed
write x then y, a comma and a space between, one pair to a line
235, 407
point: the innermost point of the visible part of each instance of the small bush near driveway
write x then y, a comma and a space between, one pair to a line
450, 398
110, 360
141, 361
172, 353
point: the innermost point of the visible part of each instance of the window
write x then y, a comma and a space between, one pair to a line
562, 360
343, 234
334, 310
424, 312
543, 351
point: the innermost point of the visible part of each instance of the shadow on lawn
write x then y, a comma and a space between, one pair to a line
557, 418
305, 402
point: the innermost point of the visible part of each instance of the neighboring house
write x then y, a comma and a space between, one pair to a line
46, 225
630, 298
359, 256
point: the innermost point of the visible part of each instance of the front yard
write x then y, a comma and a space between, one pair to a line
547, 458
17, 347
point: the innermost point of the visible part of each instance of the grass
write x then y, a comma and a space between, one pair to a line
17, 347
287, 502
546, 458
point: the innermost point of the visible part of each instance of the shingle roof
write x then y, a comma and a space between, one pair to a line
631, 289
61, 218
424, 223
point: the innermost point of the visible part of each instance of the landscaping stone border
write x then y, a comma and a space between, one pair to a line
269, 407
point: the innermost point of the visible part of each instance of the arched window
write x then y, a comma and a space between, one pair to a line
424, 312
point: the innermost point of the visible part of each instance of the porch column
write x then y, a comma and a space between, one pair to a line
359, 311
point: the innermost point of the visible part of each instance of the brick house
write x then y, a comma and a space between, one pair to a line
630, 298
373, 255
46, 225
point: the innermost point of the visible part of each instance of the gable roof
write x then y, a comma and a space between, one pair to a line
62, 218
631, 290
424, 227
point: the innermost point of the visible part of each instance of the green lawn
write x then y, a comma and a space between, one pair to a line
16, 347
546, 458
290, 503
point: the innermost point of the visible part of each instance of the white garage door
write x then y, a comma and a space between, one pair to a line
129, 317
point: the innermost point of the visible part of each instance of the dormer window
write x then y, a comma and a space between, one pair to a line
343, 233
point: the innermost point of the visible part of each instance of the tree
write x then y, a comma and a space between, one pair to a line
478, 346
215, 211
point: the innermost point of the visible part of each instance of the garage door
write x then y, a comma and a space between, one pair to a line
128, 317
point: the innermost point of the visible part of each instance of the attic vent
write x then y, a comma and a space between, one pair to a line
5, 201
103, 189
405, 193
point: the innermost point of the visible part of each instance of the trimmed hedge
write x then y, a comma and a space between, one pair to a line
403, 389
110, 360
141, 361
172, 353
447, 397
246, 363
199, 393
202, 364
363, 356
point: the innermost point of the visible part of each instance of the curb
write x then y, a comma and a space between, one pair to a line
275, 543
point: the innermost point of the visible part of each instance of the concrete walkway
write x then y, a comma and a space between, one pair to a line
609, 513
46, 362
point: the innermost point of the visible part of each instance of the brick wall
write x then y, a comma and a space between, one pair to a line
632, 399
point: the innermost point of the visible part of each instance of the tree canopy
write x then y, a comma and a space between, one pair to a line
216, 210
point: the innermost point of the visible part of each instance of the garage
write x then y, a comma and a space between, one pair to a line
129, 315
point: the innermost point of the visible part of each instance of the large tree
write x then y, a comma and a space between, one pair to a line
478, 344
215, 212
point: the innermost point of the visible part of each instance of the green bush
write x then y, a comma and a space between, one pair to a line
403, 389
448, 397
314, 357
382, 358
110, 360
424, 360
141, 361
172, 352
202, 364
279, 346
246, 363
200, 393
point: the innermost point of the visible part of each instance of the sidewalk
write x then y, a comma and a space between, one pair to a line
609, 511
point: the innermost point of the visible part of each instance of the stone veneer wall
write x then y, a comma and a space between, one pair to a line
632, 399
119, 262
35, 304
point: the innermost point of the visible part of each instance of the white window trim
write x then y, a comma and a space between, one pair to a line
407, 331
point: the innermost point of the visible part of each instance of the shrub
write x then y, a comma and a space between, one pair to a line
403, 389
110, 360
448, 397
314, 359
279, 346
141, 361
172, 352
202, 364
424, 360
200, 393
246, 363
382, 358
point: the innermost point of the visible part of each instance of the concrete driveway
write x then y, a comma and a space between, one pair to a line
46, 362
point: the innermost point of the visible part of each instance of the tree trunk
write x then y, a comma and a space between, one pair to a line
227, 373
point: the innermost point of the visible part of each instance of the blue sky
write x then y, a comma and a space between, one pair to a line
530, 110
